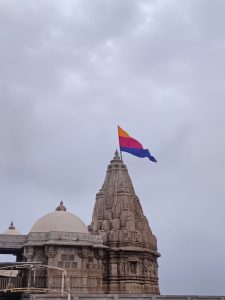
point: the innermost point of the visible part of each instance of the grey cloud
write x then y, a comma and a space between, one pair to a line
71, 71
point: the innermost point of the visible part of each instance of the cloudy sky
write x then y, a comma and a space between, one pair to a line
71, 71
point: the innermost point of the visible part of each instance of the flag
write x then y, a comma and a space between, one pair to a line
132, 146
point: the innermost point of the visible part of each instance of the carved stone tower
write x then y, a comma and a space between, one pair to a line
130, 262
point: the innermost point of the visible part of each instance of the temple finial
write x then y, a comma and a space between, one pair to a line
61, 207
11, 226
116, 157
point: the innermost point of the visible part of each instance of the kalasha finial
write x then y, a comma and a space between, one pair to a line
116, 157
11, 226
61, 207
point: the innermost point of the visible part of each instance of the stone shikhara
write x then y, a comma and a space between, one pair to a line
130, 261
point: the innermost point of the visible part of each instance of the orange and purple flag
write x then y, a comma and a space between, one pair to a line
132, 146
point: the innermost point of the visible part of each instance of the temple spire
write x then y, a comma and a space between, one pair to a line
118, 214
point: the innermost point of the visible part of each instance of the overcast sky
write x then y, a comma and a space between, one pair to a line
71, 71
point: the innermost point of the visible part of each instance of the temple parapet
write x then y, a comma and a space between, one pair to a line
9, 243
58, 237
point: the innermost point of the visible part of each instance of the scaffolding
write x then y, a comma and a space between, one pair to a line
29, 278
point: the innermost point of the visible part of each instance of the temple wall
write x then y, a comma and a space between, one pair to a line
83, 267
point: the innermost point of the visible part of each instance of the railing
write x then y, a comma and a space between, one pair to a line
29, 279
6, 283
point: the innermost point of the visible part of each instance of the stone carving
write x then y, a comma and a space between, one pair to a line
116, 224
122, 208
119, 214
133, 267
98, 253
50, 251
153, 269
106, 225
84, 252
146, 267
29, 253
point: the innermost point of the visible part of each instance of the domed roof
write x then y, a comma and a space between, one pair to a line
59, 220
12, 230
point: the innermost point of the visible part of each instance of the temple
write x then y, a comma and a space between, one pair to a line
116, 254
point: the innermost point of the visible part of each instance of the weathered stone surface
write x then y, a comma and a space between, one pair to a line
12, 244
118, 208
130, 263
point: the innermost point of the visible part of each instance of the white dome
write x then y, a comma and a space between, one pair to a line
12, 232
59, 221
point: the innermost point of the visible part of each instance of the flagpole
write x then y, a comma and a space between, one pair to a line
121, 155
119, 143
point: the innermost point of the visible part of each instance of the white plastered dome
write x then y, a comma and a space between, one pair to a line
59, 220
